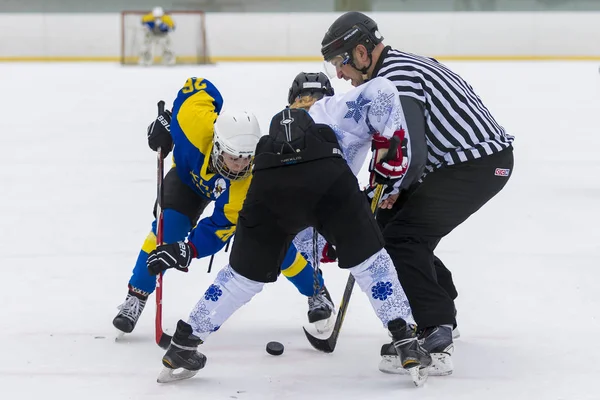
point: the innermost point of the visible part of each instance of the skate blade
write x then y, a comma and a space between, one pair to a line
441, 365
455, 333
419, 375
391, 365
170, 375
119, 335
325, 325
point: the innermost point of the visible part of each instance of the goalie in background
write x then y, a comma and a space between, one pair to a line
157, 26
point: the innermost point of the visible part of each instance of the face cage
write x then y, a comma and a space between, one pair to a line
222, 169
336, 62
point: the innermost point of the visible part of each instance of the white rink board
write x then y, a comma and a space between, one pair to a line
285, 36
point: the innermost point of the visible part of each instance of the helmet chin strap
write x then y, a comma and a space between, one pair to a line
363, 70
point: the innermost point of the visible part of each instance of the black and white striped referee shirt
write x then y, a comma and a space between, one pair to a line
459, 126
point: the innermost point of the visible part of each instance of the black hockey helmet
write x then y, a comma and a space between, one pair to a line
348, 31
294, 137
315, 84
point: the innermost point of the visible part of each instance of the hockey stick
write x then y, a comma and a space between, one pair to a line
212, 257
162, 339
315, 251
328, 345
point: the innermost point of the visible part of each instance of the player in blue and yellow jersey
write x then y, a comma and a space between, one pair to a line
158, 27
213, 152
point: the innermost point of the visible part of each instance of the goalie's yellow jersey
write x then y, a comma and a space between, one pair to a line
163, 24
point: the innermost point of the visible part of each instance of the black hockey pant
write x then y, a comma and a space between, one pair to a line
445, 199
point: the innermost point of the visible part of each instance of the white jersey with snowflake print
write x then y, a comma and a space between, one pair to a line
356, 115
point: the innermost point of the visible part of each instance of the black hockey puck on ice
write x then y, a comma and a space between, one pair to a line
275, 348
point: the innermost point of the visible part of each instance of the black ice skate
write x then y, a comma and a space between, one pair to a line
410, 356
321, 311
437, 341
130, 311
182, 354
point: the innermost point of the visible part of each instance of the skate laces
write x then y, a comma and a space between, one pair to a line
132, 307
404, 342
320, 301
409, 337
436, 338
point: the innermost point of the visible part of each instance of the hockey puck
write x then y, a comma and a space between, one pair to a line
275, 348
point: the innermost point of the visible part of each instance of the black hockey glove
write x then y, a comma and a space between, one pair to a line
175, 255
159, 133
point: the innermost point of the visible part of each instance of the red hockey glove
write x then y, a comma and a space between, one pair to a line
386, 169
329, 254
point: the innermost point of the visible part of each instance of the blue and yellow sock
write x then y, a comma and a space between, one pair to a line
300, 272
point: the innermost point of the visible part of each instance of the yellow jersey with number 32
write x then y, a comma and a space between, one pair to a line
195, 110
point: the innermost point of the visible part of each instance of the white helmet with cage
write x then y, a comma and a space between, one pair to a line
236, 136
158, 12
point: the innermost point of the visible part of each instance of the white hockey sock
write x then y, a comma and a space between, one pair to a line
377, 277
229, 292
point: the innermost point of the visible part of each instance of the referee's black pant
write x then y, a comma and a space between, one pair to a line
422, 217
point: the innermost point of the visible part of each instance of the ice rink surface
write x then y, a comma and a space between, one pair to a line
78, 184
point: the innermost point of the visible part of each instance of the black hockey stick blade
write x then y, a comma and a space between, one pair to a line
165, 341
328, 345
324, 345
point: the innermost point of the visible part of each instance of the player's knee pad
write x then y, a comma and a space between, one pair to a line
228, 293
176, 226
240, 288
376, 276
140, 278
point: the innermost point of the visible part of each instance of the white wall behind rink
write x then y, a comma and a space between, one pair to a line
297, 36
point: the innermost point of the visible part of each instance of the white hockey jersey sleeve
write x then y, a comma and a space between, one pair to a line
356, 115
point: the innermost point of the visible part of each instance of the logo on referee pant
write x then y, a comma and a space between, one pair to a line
502, 172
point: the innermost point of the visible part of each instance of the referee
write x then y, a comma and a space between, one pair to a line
459, 158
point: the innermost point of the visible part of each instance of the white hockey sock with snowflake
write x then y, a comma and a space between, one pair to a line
377, 277
225, 296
